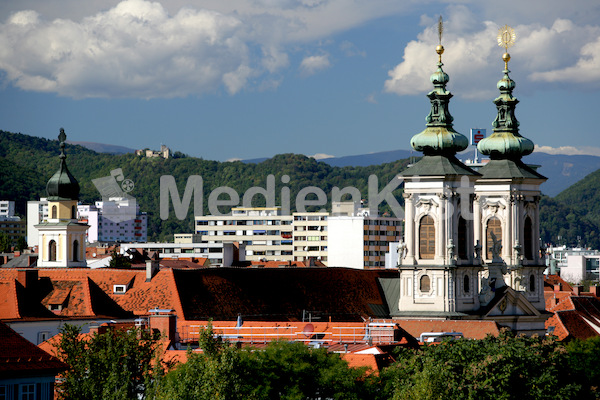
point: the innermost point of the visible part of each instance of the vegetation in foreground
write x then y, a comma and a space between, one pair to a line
125, 365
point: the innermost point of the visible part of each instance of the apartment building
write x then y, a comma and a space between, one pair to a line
266, 233
310, 236
358, 239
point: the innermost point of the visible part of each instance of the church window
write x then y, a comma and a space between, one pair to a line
425, 284
494, 230
427, 238
52, 251
462, 239
54, 212
76, 250
466, 284
532, 283
528, 239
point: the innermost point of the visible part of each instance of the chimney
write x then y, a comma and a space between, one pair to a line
165, 321
17, 253
595, 290
557, 287
27, 277
577, 290
152, 266
31, 260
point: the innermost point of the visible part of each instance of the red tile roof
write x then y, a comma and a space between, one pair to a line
19, 357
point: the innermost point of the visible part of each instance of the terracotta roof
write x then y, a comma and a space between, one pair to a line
469, 329
19, 357
551, 280
345, 294
574, 316
375, 362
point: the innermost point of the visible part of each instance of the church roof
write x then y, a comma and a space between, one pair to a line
62, 185
509, 169
438, 165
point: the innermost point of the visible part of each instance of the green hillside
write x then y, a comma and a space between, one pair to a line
27, 162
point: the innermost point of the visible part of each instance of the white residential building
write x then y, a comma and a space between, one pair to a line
116, 220
358, 239
218, 254
7, 208
266, 233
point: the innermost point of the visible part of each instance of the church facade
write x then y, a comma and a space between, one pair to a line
471, 249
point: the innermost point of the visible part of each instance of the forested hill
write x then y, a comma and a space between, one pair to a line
27, 162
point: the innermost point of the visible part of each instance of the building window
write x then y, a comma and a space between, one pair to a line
3, 392
528, 239
119, 289
427, 238
494, 229
462, 239
532, 283
42, 337
52, 251
54, 212
425, 284
466, 284
27, 391
76, 250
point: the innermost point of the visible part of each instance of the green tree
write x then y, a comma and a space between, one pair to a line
118, 260
584, 362
117, 364
5, 243
21, 243
503, 367
282, 370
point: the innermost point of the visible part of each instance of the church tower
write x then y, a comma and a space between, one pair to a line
62, 237
438, 267
507, 199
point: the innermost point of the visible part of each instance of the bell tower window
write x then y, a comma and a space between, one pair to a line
54, 212
52, 251
76, 250
528, 239
427, 238
462, 239
493, 231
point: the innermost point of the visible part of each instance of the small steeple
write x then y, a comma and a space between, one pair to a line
439, 137
62, 185
506, 142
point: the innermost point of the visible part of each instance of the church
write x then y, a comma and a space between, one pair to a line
471, 248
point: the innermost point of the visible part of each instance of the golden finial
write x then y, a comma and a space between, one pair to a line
506, 38
440, 49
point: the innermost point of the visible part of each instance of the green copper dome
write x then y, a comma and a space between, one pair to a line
439, 137
62, 185
506, 142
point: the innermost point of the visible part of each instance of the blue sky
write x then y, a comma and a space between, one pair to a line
253, 78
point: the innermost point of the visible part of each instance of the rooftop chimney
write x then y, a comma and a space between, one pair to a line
165, 321
595, 290
152, 266
27, 277
577, 290
557, 287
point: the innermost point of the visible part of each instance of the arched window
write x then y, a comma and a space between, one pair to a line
466, 284
52, 251
76, 250
425, 284
528, 239
54, 212
532, 283
494, 229
427, 238
462, 239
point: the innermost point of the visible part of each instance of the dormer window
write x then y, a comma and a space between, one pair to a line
119, 289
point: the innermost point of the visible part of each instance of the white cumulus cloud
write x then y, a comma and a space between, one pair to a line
312, 64
560, 52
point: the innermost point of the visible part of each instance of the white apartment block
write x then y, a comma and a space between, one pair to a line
360, 241
310, 236
218, 254
265, 232
7, 208
117, 220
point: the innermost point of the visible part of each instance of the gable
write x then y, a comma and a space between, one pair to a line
512, 303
